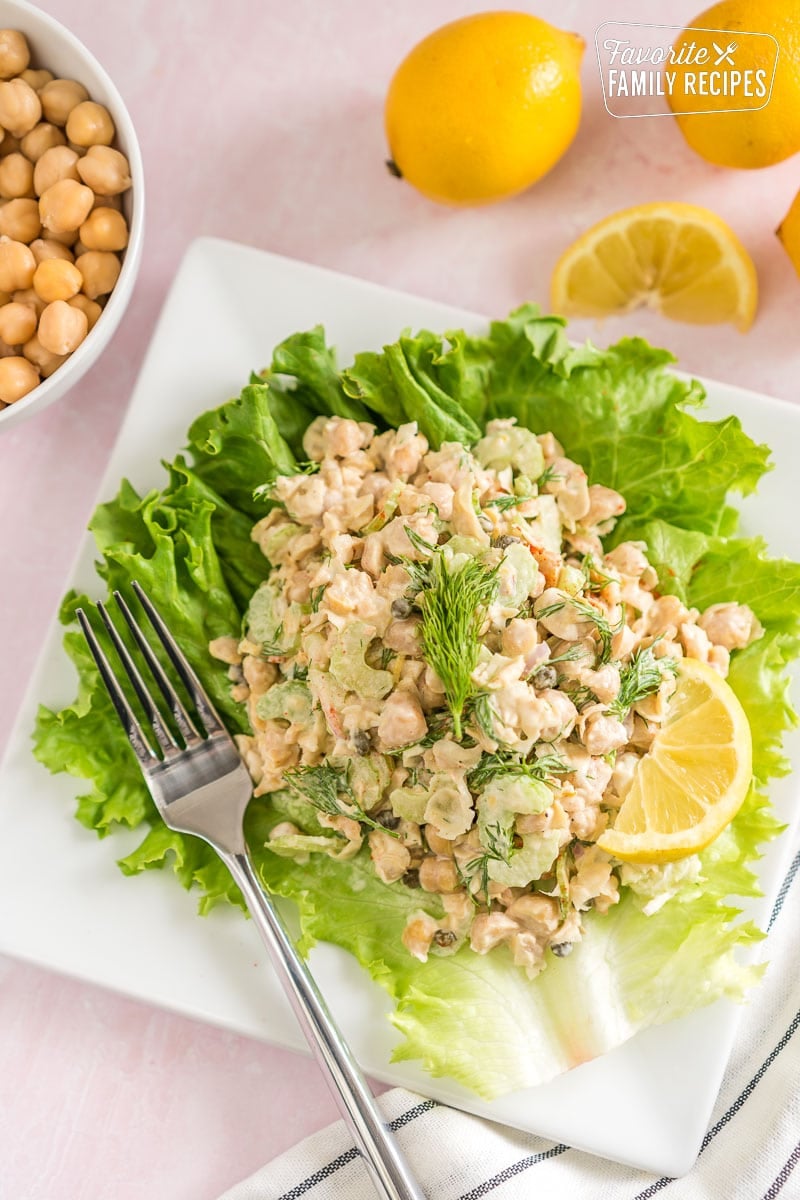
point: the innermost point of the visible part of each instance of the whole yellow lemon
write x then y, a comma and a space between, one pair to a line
788, 233
484, 107
755, 136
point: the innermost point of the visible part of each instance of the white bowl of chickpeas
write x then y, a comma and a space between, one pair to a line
71, 210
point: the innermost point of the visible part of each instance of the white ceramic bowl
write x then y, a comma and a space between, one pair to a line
54, 47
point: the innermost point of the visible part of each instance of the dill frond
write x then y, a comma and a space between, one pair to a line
323, 786
637, 679
548, 475
500, 849
504, 503
493, 766
605, 630
453, 607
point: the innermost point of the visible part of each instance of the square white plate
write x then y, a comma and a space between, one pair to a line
64, 903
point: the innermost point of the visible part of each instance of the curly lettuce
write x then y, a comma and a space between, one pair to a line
635, 427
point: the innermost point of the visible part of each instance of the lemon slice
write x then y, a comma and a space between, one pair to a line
693, 781
680, 259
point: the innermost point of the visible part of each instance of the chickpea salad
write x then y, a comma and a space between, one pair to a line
448, 666
442, 597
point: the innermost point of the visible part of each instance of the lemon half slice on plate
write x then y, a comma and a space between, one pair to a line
679, 258
695, 777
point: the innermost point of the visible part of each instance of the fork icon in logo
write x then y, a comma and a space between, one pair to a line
724, 55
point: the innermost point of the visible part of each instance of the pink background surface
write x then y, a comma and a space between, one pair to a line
260, 121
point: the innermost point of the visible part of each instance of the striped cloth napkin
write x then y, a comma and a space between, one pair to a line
750, 1150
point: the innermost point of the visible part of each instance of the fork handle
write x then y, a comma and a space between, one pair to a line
387, 1164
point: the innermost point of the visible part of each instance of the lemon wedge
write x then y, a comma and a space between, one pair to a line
680, 259
693, 781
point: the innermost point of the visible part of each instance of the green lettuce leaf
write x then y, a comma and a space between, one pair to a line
239, 446
634, 426
306, 358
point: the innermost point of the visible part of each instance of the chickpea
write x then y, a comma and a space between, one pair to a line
57, 163
66, 239
438, 874
18, 376
14, 53
17, 265
90, 124
59, 97
29, 296
65, 206
108, 202
104, 170
19, 220
42, 359
90, 307
62, 328
17, 323
20, 108
45, 248
36, 79
16, 176
100, 270
56, 279
42, 137
104, 229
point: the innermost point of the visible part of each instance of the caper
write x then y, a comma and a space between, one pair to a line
444, 937
561, 949
402, 608
362, 741
504, 540
545, 677
388, 819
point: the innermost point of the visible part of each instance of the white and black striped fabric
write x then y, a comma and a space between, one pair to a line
750, 1152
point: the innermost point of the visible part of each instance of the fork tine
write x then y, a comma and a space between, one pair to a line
184, 722
163, 735
141, 746
200, 698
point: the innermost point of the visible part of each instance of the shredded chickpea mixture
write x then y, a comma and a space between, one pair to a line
446, 663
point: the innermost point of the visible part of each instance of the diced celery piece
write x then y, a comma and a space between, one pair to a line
349, 667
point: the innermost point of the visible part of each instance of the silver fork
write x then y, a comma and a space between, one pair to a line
202, 787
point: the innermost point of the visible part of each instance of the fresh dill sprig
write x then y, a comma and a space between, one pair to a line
481, 708
316, 597
274, 649
550, 609
453, 607
548, 475
504, 503
589, 568
637, 679
418, 542
572, 653
494, 766
419, 573
605, 630
323, 786
580, 693
500, 849
387, 656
